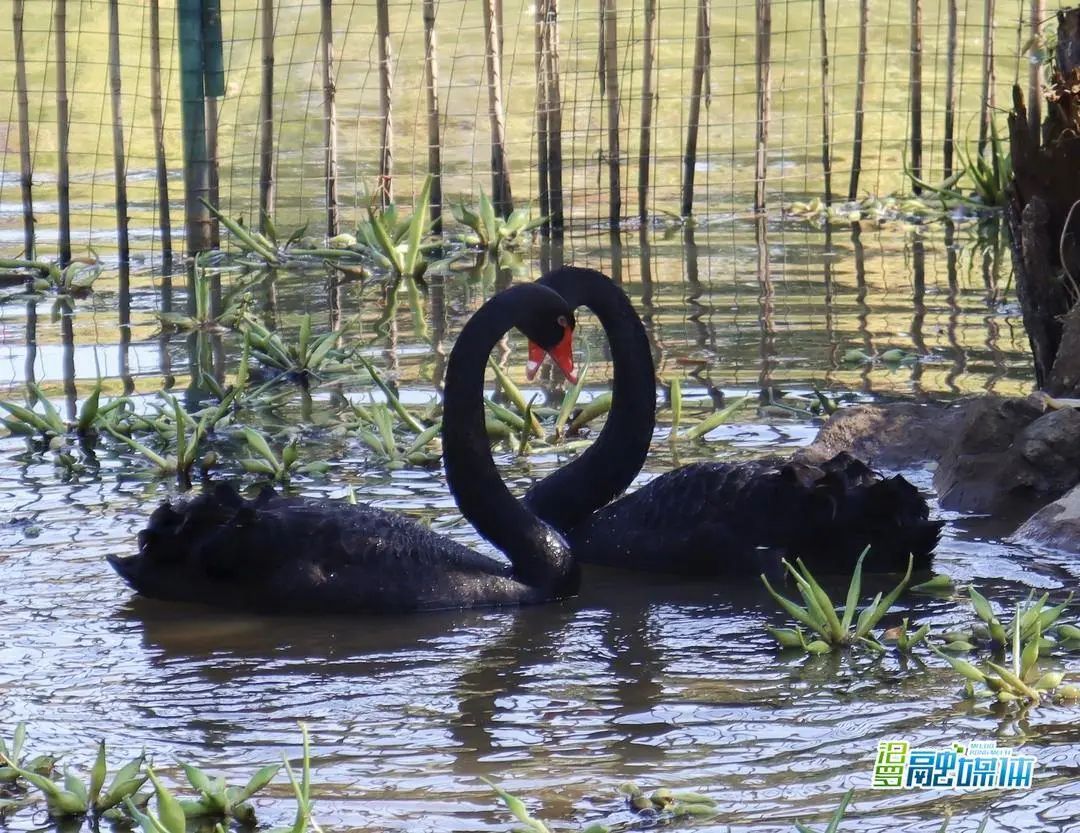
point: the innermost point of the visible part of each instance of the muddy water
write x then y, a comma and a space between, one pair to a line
655, 680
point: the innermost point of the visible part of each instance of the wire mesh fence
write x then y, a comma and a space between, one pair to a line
757, 102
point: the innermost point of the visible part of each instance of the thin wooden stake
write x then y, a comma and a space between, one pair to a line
190, 43
266, 118
119, 164
763, 87
540, 64
63, 174
500, 167
826, 131
987, 103
554, 105
916, 91
1035, 70
330, 118
386, 88
212, 160
860, 98
699, 90
950, 90
648, 96
26, 170
610, 48
434, 140
156, 115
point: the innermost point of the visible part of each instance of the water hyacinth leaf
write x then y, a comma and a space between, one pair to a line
788, 637
570, 400
716, 419
854, 588
982, 606
97, 774
1049, 681
417, 228
517, 807
259, 445
74, 785
882, 607
799, 614
1014, 681
514, 394
828, 609
169, 811
305, 336
257, 781
147, 821
197, 778
938, 584
592, 410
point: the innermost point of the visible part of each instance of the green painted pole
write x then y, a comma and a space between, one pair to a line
193, 113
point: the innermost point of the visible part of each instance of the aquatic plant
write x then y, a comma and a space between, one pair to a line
302, 361
396, 243
1032, 615
74, 797
12, 760
489, 230
661, 806
277, 468
820, 616
217, 799
1021, 681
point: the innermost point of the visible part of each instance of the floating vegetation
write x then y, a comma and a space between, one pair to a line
218, 800
13, 762
278, 467
833, 631
303, 361
1020, 681
490, 231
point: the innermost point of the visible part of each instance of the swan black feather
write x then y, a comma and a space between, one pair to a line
308, 555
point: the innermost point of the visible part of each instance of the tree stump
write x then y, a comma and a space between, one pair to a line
1043, 212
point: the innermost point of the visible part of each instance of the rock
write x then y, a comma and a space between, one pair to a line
893, 435
1056, 525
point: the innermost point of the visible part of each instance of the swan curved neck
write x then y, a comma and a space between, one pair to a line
540, 557
568, 496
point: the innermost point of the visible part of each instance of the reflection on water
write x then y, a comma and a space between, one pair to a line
641, 678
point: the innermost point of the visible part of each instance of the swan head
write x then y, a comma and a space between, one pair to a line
559, 344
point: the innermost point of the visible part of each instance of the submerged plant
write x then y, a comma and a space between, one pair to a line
830, 631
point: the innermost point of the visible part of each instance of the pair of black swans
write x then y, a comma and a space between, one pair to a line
303, 555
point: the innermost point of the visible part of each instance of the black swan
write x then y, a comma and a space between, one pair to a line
301, 555
714, 519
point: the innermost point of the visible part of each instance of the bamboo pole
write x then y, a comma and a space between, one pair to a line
987, 103
648, 95
915, 79
196, 169
330, 117
26, 170
63, 174
266, 118
860, 98
213, 86
699, 89
212, 168
156, 115
763, 85
500, 168
611, 72
386, 87
1035, 70
826, 131
554, 117
540, 65
950, 90
119, 163
433, 116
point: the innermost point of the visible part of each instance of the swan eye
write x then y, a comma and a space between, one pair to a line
563, 321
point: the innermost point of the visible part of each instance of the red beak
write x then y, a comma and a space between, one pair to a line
562, 354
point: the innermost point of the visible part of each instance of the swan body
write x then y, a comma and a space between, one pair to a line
304, 555
714, 519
